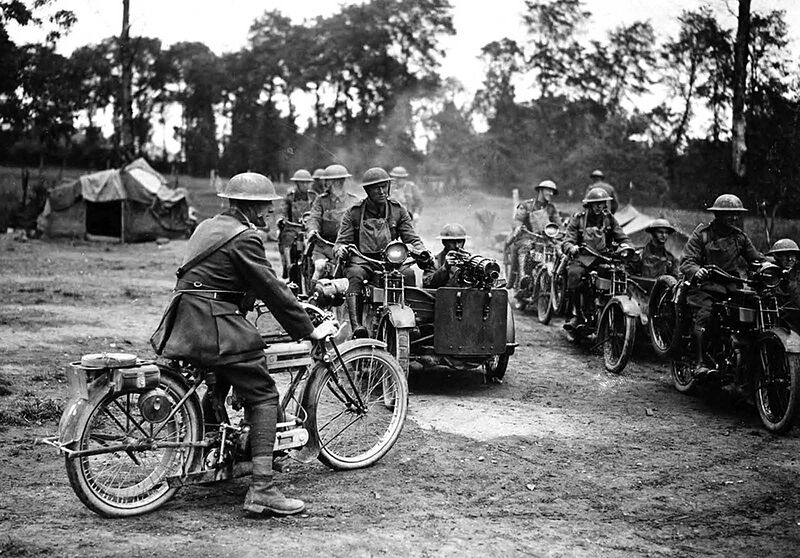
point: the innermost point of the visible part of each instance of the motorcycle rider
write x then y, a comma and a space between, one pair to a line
596, 228
406, 192
441, 274
532, 214
370, 226
224, 270
296, 203
785, 253
654, 260
598, 181
326, 216
319, 182
721, 243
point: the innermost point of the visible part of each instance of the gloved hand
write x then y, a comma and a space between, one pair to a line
702, 274
425, 256
450, 259
323, 330
341, 251
572, 250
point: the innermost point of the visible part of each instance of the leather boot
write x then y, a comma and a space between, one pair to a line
354, 307
263, 496
701, 370
574, 311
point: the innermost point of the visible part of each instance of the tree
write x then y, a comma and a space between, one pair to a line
739, 126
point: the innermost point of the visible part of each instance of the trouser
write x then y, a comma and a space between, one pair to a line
519, 250
576, 271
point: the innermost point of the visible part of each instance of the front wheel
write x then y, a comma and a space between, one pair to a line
683, 375
777, 380
558, 286
132, 481
618, 332
542, 294
348, 416
662, 323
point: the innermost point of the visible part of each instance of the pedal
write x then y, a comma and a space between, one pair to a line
291, 438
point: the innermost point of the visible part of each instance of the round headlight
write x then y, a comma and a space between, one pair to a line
551, 230
396, 253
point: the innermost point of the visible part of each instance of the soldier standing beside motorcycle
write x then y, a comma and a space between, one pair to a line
533, 215
406, 192
370, 226
785, 253
721, 243
326, 216
453, 237
224, 270
654, 258
296, 204
596, 228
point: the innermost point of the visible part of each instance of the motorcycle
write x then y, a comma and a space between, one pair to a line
134, 431
540, 265
750, 344
291, 257
462, 327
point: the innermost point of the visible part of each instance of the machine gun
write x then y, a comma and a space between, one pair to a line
476, 271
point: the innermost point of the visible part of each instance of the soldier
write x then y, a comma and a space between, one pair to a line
723, 244
223, 271
453, 237
785, 253
654, 258
371, 225
532, 214
319, 182
296, 204
326, 216
596, 228
406, 192
598, 181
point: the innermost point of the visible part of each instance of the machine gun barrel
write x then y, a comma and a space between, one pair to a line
477, 269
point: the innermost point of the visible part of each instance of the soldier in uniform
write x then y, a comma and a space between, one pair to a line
532, 214
319, 182
406, 192
785, 253
296, 204
597, 229
224, 270
370, 226
453, 237
654, 258
598, 181
721, 243
326, 216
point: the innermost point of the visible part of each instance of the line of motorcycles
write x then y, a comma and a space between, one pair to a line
753, 347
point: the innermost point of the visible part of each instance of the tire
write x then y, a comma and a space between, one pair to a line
542, 294
559, 291
777, 380
113, 484
398, 342
682, 375
663, 321
349, 439
618, 332
495, 368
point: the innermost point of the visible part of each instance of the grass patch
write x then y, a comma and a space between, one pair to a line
5, 387
30, 410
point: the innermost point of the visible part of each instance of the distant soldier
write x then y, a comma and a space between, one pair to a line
296, 203
319, 182
326, 216
406, 192
785, 253
597, 229
723, 244
654, 258
598, 181
441, 274
532, 214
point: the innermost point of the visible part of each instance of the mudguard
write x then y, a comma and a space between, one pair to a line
76, 406
511, 330
788, 337
629, 306
401, 317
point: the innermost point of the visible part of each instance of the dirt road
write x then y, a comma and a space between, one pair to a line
563, 459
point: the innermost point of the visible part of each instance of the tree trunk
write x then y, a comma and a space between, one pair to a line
126, 83
739, 145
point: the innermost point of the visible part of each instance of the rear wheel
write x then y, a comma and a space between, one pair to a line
558, 285
542, 294
777, 380
662, 323
353, 425
618, 332
495, 368
683, 375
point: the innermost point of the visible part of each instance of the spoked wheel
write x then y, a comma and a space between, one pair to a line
543, 295
558, 286
495, 368
777, 380
618, 331
662, 323
132, 481
683, 375
354, 426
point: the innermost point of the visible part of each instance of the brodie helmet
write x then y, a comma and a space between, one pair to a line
660, 224
453, 231
319, 174
398, 172
597, 173
301, 175
727, 202
547, 185
784, 245
596, 195
250, 186
374, 176
333, 172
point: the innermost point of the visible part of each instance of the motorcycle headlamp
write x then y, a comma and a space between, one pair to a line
551, 230
396, 253
627, 254
770, 275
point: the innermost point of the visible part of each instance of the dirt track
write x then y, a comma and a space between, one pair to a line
561, 460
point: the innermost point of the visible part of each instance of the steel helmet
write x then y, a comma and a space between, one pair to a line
548, 185
319, 174
784, 245
727, 202
453, 231
597, 195
250, 186
398, 172
660, 224
301, 175
597, 173
333, 172
373, 176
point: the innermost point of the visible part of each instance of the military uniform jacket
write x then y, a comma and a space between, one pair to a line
397, 219
655, 261
437, 275
327, 212
211, 331
531, 213
595, 231
789, 289
296, 204
408, 195
712, 245
614, 203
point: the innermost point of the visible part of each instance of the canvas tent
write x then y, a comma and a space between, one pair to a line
132, 204
634, 223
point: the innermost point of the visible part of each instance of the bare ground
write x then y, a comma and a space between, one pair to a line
563, 459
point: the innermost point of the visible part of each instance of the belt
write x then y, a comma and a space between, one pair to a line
196, 289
